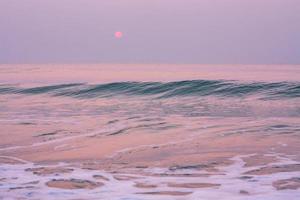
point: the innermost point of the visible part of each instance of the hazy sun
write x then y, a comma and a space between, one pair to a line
118, 34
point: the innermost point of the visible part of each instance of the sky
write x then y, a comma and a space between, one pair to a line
152, 31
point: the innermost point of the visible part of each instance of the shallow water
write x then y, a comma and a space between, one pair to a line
131, 119
229, 183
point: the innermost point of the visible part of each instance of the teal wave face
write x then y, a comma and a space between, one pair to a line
164, 90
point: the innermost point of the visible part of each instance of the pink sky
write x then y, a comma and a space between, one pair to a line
157, 31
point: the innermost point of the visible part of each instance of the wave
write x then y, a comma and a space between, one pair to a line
218, 88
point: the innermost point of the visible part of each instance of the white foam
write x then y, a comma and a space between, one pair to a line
258, 187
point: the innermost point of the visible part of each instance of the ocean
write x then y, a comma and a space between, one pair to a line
149, 131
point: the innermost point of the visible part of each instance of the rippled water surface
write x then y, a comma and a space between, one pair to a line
152, 126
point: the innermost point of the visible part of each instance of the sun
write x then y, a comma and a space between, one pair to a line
118, 34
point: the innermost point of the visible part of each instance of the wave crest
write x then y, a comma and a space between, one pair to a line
164, 90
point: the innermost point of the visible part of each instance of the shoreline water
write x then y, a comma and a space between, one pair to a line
187, 139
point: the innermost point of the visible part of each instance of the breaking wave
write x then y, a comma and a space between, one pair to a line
200, 88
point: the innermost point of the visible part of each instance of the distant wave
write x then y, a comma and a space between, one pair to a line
164, 90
